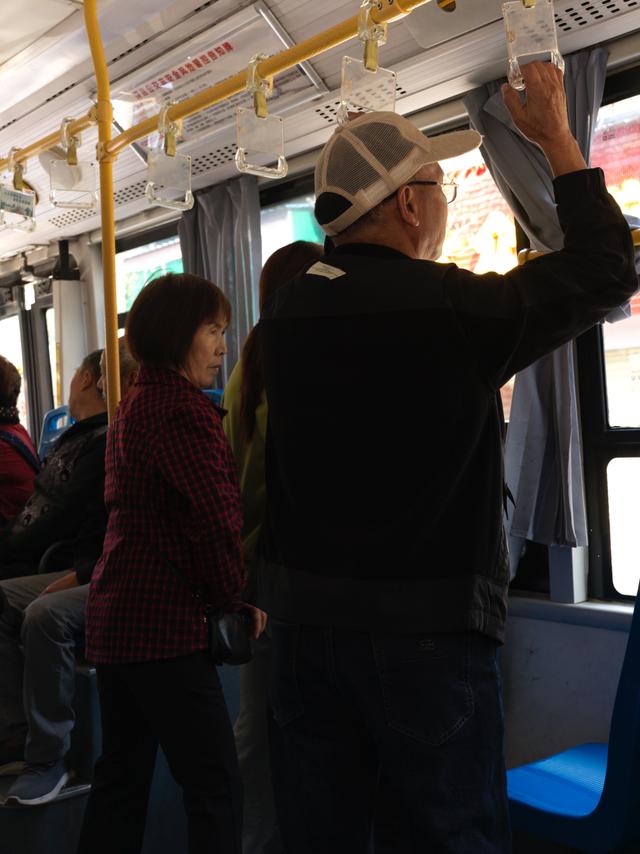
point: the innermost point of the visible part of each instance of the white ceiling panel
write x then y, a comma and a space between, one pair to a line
26, 21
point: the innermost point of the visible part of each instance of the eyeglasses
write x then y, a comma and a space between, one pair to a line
449, 188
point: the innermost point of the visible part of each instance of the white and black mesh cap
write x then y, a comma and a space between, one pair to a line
369, 157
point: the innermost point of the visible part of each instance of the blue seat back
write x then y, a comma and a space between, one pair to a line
621, 793
214, 394
54, 424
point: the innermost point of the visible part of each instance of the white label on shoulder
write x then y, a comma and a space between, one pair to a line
320, 269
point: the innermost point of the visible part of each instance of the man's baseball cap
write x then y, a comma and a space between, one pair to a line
368, 158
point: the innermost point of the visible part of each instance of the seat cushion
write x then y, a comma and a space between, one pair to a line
569, 783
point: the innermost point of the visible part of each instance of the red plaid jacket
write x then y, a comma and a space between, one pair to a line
173, 500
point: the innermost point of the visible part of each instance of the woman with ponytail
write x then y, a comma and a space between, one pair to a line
245, 425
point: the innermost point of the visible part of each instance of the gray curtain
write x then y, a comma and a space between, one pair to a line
543, 452
220, 240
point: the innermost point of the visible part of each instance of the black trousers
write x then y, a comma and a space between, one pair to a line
391, 738
177, 703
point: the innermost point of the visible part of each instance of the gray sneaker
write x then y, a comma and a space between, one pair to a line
39, 784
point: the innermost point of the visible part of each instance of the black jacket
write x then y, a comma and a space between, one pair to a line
384, 448
67, 504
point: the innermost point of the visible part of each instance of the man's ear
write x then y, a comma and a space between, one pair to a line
87, 379
406, 201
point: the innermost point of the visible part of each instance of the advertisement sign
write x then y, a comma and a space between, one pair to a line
16, 202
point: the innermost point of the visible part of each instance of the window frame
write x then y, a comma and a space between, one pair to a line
35, 352
602, 443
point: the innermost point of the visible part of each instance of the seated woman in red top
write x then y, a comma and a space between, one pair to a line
174, 510
18, 459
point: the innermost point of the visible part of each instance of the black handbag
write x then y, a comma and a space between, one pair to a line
228, 634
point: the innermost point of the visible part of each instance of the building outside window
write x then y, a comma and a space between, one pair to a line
134, 267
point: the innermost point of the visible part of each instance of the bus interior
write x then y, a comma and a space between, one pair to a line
571, 607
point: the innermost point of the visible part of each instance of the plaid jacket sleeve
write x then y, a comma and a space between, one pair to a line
195, 459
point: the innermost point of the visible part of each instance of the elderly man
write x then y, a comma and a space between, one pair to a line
386, 573
41, 622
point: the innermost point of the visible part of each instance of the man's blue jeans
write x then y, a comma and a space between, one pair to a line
397, 738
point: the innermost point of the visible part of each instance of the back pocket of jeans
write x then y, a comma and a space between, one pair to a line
425, 685
286, 700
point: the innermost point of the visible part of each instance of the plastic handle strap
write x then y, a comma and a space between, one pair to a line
536, 23
70, 142
373, 35
278, 171
170, 130
259, 87
17, 168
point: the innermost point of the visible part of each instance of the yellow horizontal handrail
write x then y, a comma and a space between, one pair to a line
73, 129
391, 10
525, 255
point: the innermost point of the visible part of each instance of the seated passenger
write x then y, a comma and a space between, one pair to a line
69, 490
42, 619
19, 462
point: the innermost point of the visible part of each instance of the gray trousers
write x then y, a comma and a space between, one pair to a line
37, 664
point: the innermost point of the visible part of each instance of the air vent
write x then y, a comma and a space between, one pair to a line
584, 12
329, 111
129, 50
219, 157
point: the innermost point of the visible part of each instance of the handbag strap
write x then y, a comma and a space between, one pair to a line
21, 448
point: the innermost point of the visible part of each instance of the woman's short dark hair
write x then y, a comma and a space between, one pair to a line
166, 315
10, 383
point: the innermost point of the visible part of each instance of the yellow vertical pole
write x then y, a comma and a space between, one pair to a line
105, 159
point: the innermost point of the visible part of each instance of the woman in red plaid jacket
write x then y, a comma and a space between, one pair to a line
174, 525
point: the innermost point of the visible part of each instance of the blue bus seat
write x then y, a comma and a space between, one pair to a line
588, 797
214, 394
54, 423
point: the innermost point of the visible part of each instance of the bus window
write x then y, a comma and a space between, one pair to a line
50, 323
285, 222
134, 267
616, 148
609, 366
481, 234
11, 338
623, 475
